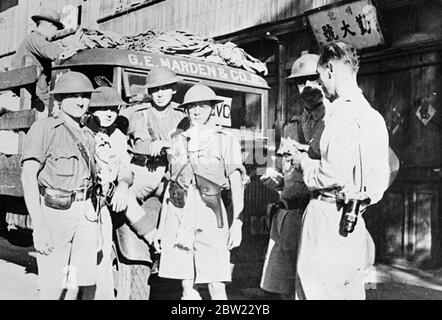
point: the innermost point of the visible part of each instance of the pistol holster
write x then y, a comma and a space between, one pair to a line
211, 194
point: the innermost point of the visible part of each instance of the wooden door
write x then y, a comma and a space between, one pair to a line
405, 225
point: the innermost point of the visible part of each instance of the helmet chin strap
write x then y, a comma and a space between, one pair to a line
208, 119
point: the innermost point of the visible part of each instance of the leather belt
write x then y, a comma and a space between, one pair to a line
324, 198
144, 160
77, 195
298, 203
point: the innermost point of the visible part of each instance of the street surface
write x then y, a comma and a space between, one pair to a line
18, 272
18, 278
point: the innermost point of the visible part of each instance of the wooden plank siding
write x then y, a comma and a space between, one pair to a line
16, 22
206, 18
7, 31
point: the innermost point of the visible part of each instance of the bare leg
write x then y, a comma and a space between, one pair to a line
71, 294
217, 291
189, 291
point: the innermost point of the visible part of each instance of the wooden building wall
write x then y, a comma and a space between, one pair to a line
407, 223
206, 18
7, 34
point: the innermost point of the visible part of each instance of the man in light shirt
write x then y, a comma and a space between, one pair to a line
353, 165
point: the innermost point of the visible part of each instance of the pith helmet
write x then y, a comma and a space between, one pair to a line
106, 97
304, 66
200, 93
49, 15
160, 76
73, 82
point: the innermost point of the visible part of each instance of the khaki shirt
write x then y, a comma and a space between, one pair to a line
312, 126
42, 52
214, 154
63, 166
163, 125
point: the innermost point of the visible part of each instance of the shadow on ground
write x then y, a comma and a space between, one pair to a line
399, 291
15, 247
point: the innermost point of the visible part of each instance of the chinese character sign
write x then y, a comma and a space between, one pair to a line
355, 23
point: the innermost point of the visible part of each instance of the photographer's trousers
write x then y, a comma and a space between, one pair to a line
331, 266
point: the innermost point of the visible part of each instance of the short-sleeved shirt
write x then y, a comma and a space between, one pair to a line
306, 129
63, 166
146, 124
111, 155
213, 154
42, 52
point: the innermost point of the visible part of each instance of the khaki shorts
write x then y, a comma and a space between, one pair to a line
279, 272
75, 241
210, 259
146, 181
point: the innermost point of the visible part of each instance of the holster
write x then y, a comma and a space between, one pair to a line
211, 194
177, 194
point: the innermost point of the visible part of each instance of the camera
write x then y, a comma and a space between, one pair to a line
350, 213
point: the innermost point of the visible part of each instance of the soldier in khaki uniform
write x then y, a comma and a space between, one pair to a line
151, 128
279, 270
57, 176
195, 237
115, 176
36, 49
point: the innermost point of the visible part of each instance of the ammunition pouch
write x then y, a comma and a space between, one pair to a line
177, 194
211, 194
61, 199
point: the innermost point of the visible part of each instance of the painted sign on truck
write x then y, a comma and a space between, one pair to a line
194, 68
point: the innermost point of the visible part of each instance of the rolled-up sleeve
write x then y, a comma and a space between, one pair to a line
34, 145
232, 155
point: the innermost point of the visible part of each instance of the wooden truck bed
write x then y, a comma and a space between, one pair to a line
22, 82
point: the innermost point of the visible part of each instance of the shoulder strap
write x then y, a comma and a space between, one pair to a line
83, 151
